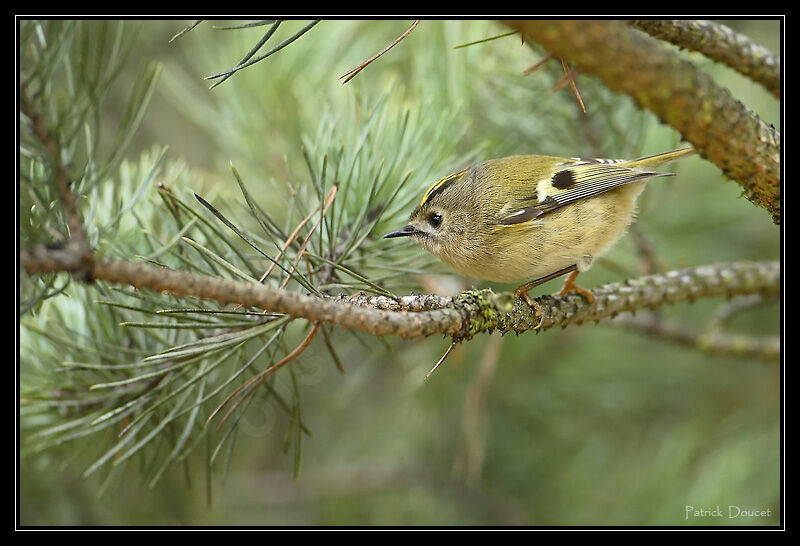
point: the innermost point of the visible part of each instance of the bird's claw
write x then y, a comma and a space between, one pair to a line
538, 310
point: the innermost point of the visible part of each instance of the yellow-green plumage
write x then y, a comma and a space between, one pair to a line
523, 217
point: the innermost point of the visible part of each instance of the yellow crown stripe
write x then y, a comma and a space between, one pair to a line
438, 185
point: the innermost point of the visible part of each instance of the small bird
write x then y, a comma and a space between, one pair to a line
531, 218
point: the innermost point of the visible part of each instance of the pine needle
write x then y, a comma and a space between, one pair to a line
541, 62
487, 39
184, 31
450, 348
571, 78
275, 49
251, 385
353, 72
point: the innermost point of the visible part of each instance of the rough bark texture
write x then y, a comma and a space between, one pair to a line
721, 44
721, 128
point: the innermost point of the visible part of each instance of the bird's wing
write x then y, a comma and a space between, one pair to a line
580, 179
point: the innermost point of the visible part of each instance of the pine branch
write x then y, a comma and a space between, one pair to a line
461, 318
721, 128
144, 382
721, 44
77, 248
767, 348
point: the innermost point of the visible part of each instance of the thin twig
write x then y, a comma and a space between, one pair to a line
767, 348
730, 309
353, 72
78, 245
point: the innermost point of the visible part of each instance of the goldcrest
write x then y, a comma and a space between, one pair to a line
531, 217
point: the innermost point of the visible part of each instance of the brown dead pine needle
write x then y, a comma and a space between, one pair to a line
328, 202
565, 79
539, 64
352, 73
292, 237
252, 384
571, 78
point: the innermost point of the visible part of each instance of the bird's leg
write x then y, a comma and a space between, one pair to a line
570, 286
522, 291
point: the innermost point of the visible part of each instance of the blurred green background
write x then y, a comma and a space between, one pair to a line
593, 425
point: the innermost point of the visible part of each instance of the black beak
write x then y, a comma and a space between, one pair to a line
405, 232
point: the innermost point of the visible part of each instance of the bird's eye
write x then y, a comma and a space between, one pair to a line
435, 220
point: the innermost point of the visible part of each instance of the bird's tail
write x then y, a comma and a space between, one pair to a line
652, 161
